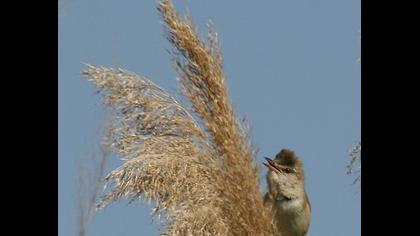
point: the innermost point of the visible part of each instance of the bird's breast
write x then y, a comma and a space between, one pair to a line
292, 217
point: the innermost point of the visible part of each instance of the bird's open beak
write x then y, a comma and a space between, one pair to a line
271, 165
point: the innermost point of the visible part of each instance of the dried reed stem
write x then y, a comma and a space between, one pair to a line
90, 185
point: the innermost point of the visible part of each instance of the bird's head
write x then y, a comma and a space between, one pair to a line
286, 173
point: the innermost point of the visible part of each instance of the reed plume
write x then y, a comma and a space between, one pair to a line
201, 173
355, 154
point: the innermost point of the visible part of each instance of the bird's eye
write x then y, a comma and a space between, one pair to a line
288, 170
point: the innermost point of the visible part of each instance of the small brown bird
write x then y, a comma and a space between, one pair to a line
286, 194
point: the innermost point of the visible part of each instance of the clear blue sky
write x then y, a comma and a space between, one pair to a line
291, 68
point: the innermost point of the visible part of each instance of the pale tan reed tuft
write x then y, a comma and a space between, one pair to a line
201, 174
